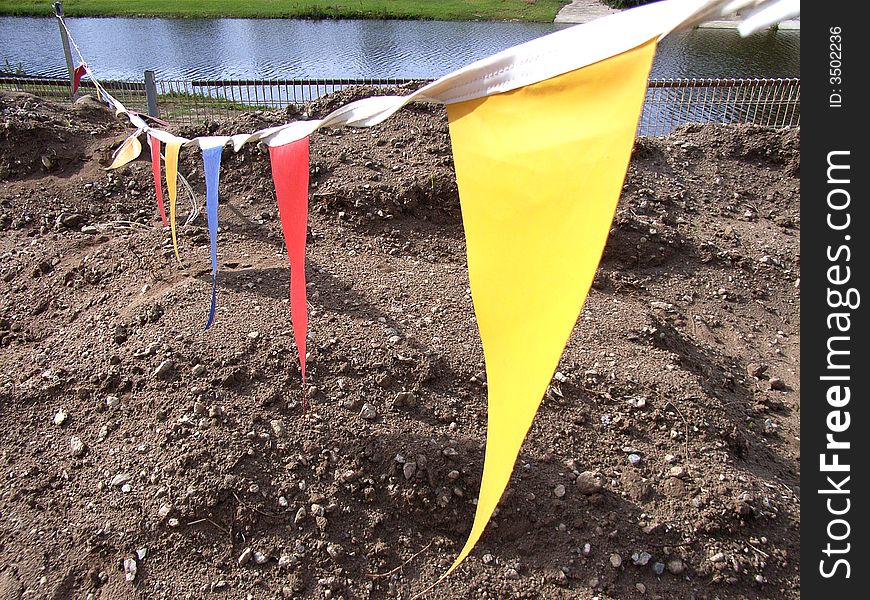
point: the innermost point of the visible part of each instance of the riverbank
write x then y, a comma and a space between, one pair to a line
445, 10
583, 11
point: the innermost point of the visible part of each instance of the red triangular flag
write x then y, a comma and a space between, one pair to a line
77, 77
155, 170
290, 174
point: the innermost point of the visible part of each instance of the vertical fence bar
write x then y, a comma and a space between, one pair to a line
151, 93
755, 99
795, 107
727, 104
777, 101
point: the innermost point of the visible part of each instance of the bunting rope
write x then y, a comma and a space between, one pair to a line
541, 136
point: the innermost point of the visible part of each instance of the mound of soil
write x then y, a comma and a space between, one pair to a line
664, 462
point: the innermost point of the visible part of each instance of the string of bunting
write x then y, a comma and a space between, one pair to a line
541, 136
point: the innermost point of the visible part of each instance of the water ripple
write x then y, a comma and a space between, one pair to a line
122, 48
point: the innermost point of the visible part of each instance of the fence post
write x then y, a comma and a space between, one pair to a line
58, 12
151, 93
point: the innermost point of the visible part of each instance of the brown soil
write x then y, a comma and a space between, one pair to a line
686, 356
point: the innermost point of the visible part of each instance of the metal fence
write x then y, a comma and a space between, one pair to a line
669, 102
673, 102
131, 93
196, 100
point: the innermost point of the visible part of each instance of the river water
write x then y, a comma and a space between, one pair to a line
122, 48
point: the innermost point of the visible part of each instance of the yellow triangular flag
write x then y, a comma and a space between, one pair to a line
127, 152
171, 161
540, 170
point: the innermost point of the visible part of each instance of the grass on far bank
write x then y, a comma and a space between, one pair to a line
448, 10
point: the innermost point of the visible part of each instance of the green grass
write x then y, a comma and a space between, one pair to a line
450, 10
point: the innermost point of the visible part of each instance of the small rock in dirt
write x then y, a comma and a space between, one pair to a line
284, 561
300, 516
719, 557
120, 479
511, 573
90, 230
641, 558
638, 402
450, 452
245, 556
756, 370
634, 459
778, 384
76, 446
141, 553
335, 551
615, 560
743, 505
587, 549
260, 558
659, 568
120, 335
588, 483
253, 335
197, 370
70, 220
559, 491
640, 588
60, 417
676, 566
129, 569
277, 427
112, 401
405, 399
677, 471
164, 510
368, 412
164, 370
409, 469
126, 488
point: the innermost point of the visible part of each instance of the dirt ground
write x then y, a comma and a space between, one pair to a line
664, 462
